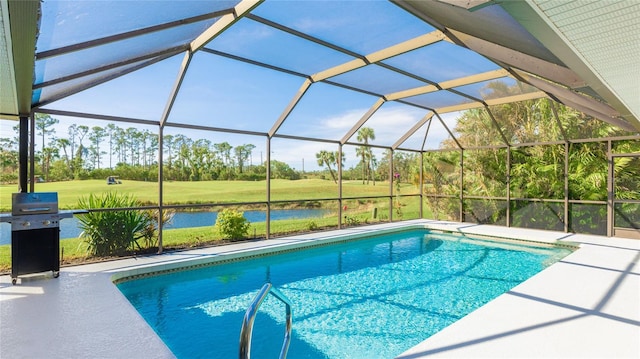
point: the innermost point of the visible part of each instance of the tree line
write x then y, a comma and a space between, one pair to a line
96, 152
537, 171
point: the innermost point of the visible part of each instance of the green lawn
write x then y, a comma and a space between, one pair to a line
204, 191
358, 211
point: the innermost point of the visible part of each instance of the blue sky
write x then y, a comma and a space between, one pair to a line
219, 92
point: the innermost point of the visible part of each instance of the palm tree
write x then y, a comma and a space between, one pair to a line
327, 158
364, 135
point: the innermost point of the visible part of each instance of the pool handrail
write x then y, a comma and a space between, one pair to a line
250, 316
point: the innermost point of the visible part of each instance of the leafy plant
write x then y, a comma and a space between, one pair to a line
351, 221
312, 225
150, 231
231, 224
112, 232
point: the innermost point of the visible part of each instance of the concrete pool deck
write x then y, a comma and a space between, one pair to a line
586, 305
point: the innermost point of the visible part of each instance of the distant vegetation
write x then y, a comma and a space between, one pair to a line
131, 154
537, 171
197, 171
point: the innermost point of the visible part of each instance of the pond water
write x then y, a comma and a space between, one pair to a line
69, 227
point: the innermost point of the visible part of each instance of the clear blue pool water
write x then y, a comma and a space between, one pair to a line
370, 298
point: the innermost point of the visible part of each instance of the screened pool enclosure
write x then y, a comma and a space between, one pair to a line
523, 114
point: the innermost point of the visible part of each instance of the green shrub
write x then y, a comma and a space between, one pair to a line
351, 221
7, 178
149, 233
112, 232
231, 224
312, 225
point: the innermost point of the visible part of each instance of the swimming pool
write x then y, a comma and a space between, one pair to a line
372, 298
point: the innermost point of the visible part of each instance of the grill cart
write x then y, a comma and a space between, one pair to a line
35, 233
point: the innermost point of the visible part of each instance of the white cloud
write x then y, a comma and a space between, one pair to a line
343, 121
437, 132
391, 123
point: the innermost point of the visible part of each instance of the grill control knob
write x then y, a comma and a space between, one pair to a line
46, 222
26, 224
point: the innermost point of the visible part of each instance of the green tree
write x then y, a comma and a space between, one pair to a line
8, 160
48, 155
242, 154
134, 141
537, 171
281, 170
64, 144
364, 135
44, 124
199, 159
96, 136
112, 131
182, 144
327, 158
224, 151
168, 145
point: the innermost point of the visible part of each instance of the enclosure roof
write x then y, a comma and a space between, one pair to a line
76, 57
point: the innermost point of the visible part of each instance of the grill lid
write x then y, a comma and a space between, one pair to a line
34, 203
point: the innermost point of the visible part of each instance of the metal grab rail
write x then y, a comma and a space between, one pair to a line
250, 316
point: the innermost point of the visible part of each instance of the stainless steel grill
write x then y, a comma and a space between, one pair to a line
35, 233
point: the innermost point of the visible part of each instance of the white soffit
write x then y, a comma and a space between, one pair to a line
8, 100
19, 29
599, 40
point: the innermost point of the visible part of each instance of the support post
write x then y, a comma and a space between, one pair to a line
23, 154
461, 185
339, 186
268, 166
421, 184
160, 185
567, 147
610, 190
32, 153
391, 185
508, 186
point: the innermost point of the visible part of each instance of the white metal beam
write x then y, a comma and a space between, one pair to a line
223, 23
521, 60
381, 55
362, 120
186, 60
489, 75
413, 130
292, 104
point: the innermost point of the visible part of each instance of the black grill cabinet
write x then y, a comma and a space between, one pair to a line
35, 233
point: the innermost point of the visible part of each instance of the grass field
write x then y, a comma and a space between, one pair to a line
204, 191
359, 211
